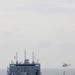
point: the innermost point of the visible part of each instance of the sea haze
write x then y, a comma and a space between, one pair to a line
48, 71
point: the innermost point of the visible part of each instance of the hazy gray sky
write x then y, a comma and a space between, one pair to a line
46, 27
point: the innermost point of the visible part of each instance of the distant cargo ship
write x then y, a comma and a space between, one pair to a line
25, 68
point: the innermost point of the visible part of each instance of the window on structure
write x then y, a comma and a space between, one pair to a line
28, 68
21, 70
18, 68
24, 68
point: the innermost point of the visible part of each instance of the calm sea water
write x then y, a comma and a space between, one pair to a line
49, 72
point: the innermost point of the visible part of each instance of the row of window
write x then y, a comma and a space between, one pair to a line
14, 70
26, 68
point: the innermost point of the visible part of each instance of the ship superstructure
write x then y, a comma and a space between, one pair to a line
25, 68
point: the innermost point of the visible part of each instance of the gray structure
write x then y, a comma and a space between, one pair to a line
26, 68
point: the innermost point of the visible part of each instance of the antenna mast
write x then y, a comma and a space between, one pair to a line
16, 58
33, 57
25, 56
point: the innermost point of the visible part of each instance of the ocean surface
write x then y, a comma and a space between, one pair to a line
48, 71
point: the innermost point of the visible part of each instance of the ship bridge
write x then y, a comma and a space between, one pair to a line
24, 69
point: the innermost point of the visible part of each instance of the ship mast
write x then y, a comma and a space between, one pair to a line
33, 57
25, 57
16, 58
